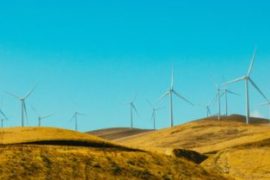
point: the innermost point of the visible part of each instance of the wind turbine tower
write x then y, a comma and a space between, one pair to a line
132, 109
22, 100
154, 113
248, 80
170, 94
75, 118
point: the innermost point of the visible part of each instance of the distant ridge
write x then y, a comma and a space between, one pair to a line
241, 118
204, 135
118, 133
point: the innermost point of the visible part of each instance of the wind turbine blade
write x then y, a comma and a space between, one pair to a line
231, 92
134, 98
81, 114
35, 110
172, 78
164, 95
72, 117
181, 97
13, 95
47, 116
3, 114
251, 63
30, 92
234, 81
222, 94
134, 107
214, 100
258, 89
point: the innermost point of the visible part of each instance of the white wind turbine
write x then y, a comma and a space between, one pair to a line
40, 118
24, 114
3, 118
170, 93
218, 99
226, 93
247, 79
132, 109
208, 106
75, 118
208, 110
154, 113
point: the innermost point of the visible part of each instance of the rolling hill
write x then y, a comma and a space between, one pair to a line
118, 133
205, 135
234, 149
51, 153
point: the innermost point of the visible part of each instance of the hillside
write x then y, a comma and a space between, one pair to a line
118, 133
50, 153
205, 135
234, 149
51, 136
246, 162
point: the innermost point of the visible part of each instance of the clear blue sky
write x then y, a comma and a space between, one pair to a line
94, 56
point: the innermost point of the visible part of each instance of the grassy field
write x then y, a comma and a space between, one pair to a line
202, 149
204, 136
234, 149
49, 153
241, 163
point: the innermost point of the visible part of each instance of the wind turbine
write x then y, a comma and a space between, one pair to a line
40, 118
75, 118
132, 108
226, 93
24, 114
207, 109
154, 113
247, 79
3, 118
218, 99
170, 93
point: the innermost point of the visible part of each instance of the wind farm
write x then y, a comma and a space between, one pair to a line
122, 90
230, 131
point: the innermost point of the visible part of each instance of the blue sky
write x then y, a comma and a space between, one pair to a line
95, 56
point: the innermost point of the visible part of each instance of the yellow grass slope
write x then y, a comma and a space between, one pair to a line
117, 133
241, 163
235, 149
46, 153
40, 135
205, 136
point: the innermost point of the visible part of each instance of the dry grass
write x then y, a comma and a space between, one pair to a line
33, 134
24, 156
235, 150
204, 136
117, 133
241, 163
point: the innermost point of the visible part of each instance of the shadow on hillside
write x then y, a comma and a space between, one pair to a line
79, 144
190, 155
